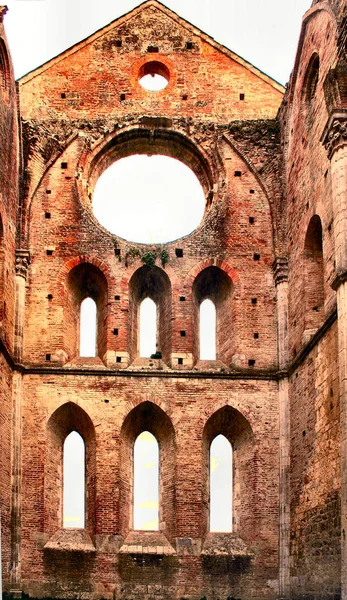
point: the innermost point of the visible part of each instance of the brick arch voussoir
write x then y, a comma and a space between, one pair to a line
84, 259
92, 152
211, 262
66, 406
125, 281
212, 410
135, 403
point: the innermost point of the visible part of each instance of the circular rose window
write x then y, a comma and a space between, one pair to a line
154, 76
149, 199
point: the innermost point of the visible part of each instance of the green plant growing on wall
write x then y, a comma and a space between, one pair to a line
132, 253
164, 257
149, 259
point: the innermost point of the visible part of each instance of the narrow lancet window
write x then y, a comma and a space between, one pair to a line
88, 328
207, 330
74, 481
221, 485
148, 327
314, 275
146, 482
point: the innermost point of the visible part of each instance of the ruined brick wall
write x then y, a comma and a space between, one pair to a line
314, 395
9, 188
315, 472
5, 463
176, 409
71, 234
80, 113
8, 216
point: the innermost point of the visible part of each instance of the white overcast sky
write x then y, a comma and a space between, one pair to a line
264, 32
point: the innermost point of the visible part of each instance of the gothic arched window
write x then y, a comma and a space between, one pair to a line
146, 482
88, 330
314, 275
148, 327
74, 481
221, 484
207, 330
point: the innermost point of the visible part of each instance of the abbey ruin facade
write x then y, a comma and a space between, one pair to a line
271, 254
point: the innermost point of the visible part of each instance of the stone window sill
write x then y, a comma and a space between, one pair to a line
225, 544
147, 542
70, 540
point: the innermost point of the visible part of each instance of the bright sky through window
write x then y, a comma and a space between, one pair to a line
74, 478
153, 82
221, 485
207, 330
88, 328
143, 199
148, 327
146, 482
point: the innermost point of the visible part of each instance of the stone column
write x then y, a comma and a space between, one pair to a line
281, 282
335, 140
16, 487
22, 263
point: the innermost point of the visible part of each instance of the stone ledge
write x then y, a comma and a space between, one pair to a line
211, 365
147, 542
85, 362
225, 544
70, 540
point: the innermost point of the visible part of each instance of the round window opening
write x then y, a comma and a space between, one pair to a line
149, 199
154, 76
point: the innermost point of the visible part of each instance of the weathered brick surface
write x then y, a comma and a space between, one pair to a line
270, 194
315, 472
314, 386
5, 462
178, 412
8, 216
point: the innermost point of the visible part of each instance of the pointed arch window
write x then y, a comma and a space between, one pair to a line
74, 481
213, 318
311, 79
221, 485
148, 327
207, 330
88, 329
146, 482
314, 275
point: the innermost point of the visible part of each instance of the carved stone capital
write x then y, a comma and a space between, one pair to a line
280, 269
338, 280
3, 11
335, 132
22, 263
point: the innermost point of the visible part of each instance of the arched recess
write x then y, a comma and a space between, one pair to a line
309, 88
314, 275
85, 280
4, 72
68, 418
230, 423
311, 79
153, 283
148, 417
214, 284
